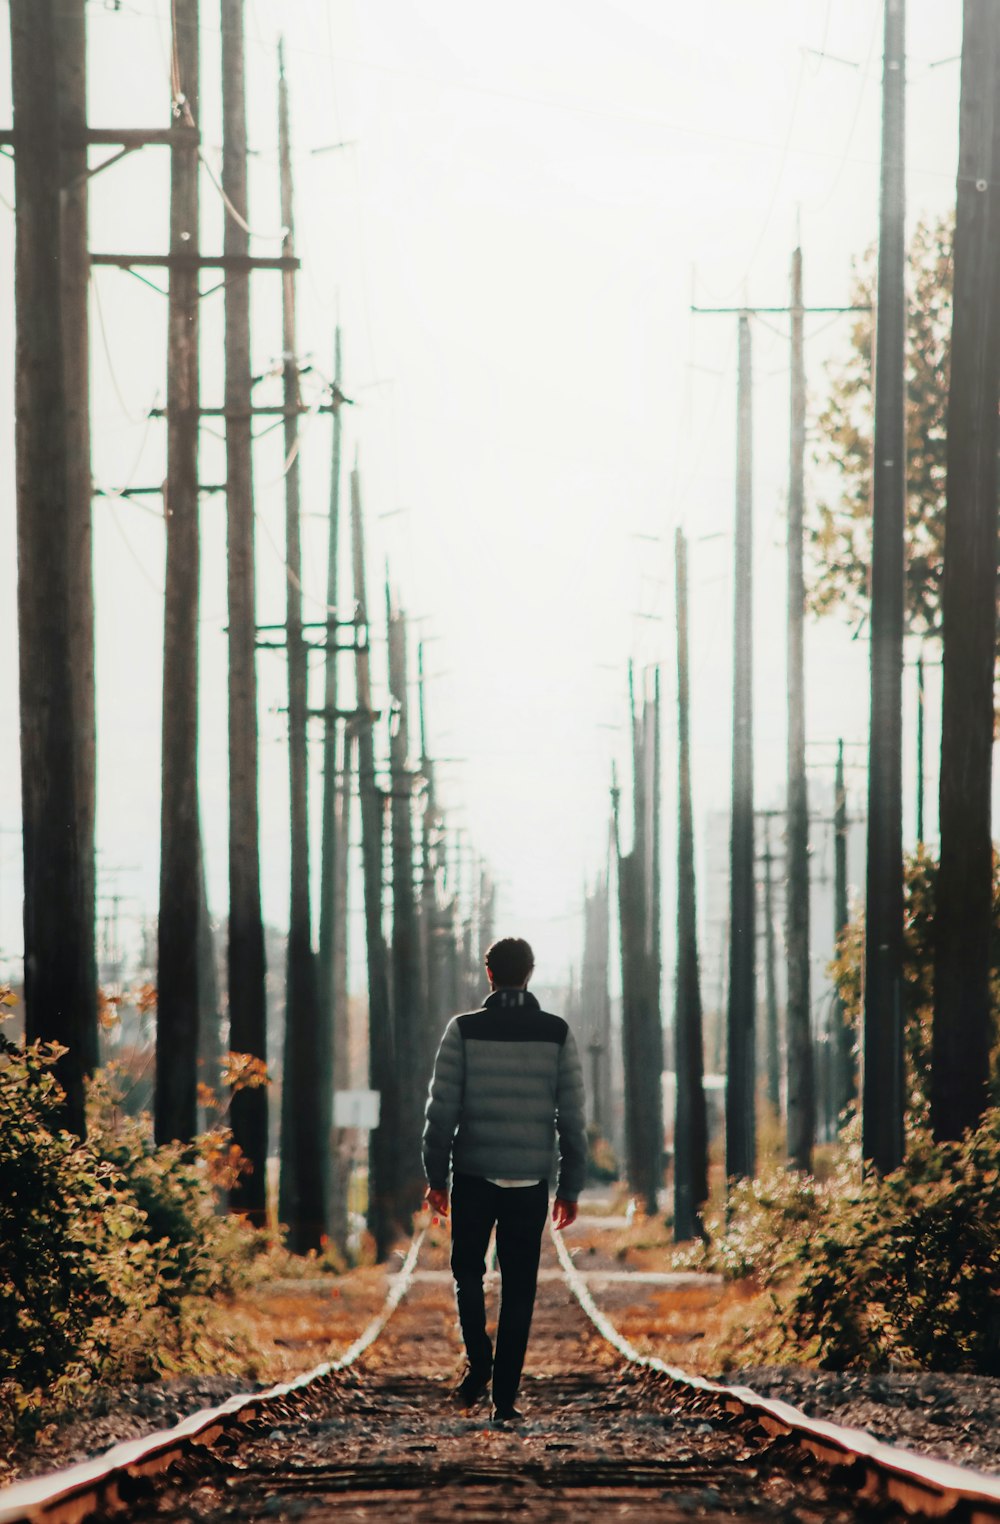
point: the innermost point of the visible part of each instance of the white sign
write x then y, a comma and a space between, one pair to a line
356, 1108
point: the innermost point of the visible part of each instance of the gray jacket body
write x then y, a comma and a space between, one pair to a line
507, 1084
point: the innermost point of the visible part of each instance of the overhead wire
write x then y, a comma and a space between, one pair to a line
117, 494
231, 210
778, 179
95, 288
863, 82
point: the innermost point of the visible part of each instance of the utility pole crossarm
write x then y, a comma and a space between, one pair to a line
180, 134
775, 311
182, 260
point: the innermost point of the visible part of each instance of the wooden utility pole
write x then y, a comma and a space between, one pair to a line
845, 1066
71, 77
690, 1118
595, 1002
341, 1048
772, 1045
305, 1127
964, 899
341, 1152
638, 892
921, 718
407, 988
246, 953
740, 1076
382, 1147
336, 804
176, 1105
740, 1144
436, 1004
801, 1079
209, 1015
883, 1099
58, 884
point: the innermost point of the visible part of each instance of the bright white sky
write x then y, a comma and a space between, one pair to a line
511, 241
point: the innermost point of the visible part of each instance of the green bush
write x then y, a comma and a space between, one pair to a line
76, 1275
109, 1246
906, 1269
759, 1230
172, 1187
902, 1270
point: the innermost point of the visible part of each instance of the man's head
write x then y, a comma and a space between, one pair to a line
509, 963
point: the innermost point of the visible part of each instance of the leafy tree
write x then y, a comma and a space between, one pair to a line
840, 533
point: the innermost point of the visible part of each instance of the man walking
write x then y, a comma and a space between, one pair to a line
507, 1080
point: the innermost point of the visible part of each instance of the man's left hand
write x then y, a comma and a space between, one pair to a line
563, 1213
437, 1201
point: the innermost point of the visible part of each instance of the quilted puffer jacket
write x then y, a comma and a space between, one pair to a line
507, 1082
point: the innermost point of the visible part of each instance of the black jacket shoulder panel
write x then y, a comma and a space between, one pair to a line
512, 1025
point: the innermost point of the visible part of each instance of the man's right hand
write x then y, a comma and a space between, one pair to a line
437, 1201
563, 1213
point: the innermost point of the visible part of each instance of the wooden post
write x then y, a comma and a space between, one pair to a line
740, 1078
435, 997
246, 954
382, 1150
209, 1015
596, 1002
653, 1045
333, 1021
623, 878
921, 717
57, 905
407, 991
176, 1112
883, 1099
964, 899
333, 905
690, 1117
342, 1149
642, 1035
71, 75
801, 1121
845, 1066
305, 1127
772, 1049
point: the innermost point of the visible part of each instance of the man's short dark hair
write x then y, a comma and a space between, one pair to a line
510, 961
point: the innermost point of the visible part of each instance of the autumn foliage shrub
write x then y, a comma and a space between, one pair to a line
105, 1243
900, 1270
906, 1269
77, 1279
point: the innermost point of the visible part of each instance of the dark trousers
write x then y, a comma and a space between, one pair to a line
519, 1213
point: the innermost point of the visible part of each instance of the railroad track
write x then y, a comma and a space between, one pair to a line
609, 1433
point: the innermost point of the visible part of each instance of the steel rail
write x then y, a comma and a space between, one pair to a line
922, 1486
91, 1486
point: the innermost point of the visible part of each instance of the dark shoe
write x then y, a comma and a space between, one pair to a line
507, 1415
472, 1388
